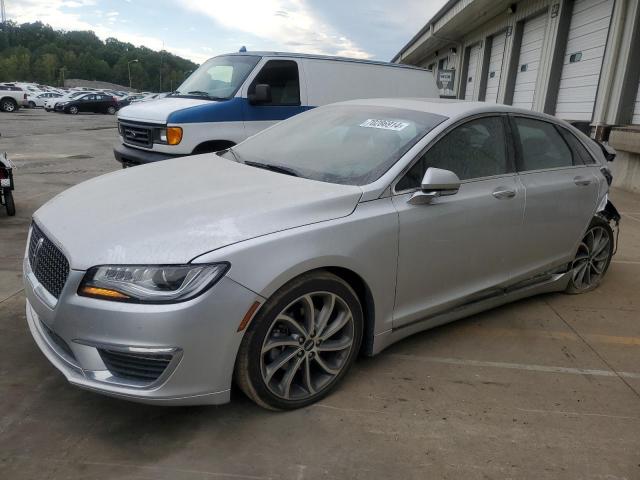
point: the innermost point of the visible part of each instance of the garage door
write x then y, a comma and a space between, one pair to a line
529, 62
472, 70
636, 109
495, 67
587, 40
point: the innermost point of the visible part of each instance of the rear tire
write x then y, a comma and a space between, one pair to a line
111, 110
8, 105
301, 343
592, 258
32, 104
9, 203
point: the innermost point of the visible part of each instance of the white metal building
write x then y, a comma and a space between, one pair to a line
576, 59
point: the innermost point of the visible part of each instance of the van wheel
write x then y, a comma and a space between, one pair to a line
301, 343
593, 257
8, 105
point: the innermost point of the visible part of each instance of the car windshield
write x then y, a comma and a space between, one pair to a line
218, 78
345, 144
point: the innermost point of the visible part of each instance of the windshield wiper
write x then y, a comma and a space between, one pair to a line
270, 167
199, 93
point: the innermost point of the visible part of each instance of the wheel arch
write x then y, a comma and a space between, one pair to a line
212, 146
355, 281
365, 296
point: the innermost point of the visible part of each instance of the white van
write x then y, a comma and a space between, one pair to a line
231, 97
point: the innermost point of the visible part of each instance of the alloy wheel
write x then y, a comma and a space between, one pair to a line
8, 106
307, 346
592, 258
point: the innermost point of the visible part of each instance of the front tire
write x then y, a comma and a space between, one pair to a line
73, 110
301, 343
592, 258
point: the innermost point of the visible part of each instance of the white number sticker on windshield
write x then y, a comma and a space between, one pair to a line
384, 124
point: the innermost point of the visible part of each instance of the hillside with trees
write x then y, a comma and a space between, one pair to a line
33, 52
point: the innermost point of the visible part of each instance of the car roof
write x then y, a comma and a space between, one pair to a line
450, 108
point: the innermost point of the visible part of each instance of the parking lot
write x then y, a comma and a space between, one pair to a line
544, 388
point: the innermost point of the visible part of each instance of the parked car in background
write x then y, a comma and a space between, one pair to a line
50, 104
338, 231
232, 97
38, 100
12, 98
89, 102
129, 99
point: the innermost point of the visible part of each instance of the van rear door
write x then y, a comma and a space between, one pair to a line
288, 95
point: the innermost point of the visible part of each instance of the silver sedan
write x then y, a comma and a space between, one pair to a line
332, 234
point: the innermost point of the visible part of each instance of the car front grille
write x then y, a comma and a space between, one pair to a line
136, 134
144, 367
48, 263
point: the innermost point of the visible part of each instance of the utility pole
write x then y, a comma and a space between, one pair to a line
129, 68
62, 70
161, 53
3, 12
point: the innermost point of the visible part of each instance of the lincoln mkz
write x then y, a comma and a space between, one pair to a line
275, 263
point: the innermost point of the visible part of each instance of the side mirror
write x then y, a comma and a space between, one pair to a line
436, 183
262, 94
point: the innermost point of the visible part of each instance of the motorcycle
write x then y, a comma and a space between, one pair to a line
6, 184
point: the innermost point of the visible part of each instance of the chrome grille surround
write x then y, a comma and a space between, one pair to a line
47, 262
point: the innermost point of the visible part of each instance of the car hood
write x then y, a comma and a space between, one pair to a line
173, 211
158, 111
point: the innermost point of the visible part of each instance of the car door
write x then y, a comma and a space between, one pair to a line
561, 194
84, 103
283, 76
460, 245
102, 103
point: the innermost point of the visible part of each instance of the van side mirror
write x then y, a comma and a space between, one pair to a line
435, 183
261, 94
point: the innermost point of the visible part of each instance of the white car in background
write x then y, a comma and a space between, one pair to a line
39, 99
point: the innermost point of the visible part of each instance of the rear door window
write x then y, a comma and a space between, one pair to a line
581, 155
541, 145
282, 76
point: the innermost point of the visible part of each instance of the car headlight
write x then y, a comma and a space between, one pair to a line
150, 283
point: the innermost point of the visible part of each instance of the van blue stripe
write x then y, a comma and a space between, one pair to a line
234, 110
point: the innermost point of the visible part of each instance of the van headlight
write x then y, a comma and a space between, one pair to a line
168, 135
150, 283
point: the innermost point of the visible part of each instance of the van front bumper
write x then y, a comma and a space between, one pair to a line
187, 350
130, 157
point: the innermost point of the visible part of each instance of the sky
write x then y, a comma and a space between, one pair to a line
373, 29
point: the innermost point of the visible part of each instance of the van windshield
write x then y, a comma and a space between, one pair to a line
345, 144
218, 78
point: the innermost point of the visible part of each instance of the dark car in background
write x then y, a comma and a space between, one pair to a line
91, 102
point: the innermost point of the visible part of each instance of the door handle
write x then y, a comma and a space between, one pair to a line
502, 193
581, 181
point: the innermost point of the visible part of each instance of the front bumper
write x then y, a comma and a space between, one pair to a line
200, 337
129, 156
